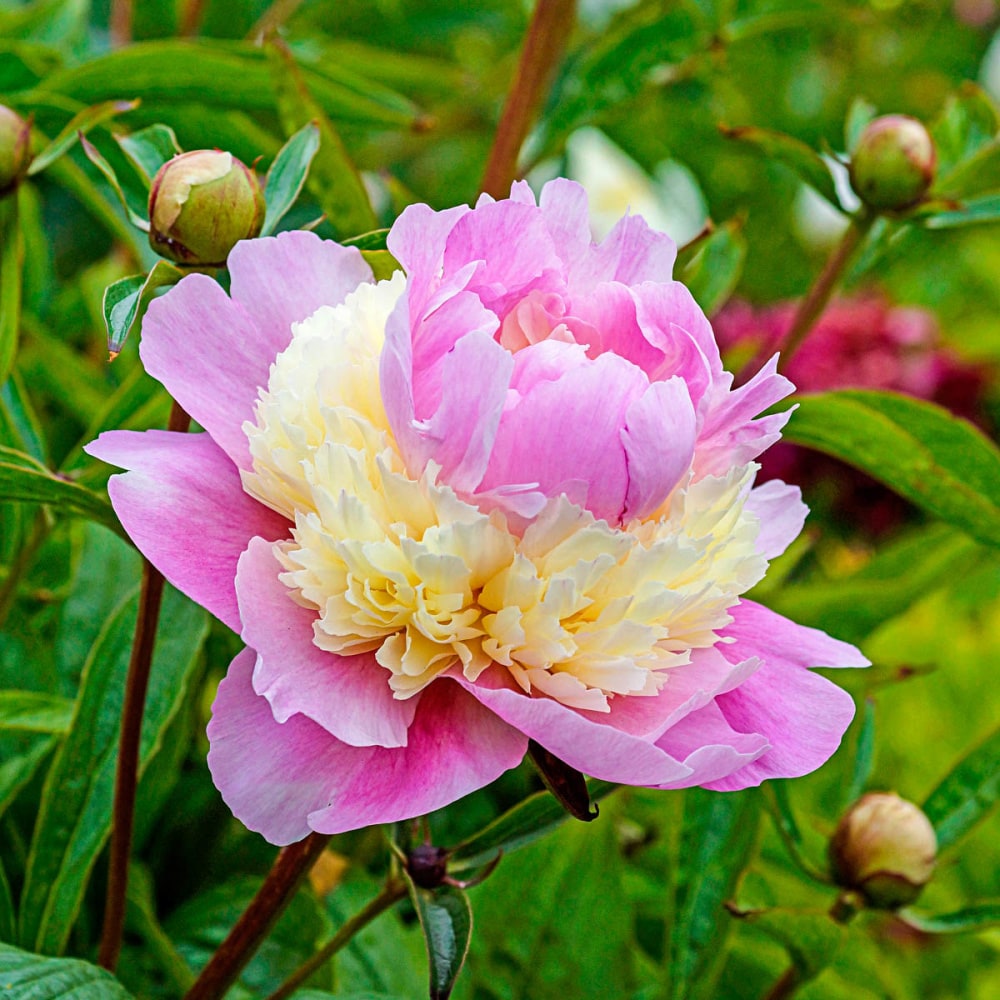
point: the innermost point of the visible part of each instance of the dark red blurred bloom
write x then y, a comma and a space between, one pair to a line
860, 343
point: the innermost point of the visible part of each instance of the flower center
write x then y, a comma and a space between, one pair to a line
573, 608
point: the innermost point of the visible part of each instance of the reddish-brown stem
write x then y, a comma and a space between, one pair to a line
120, 23
126, 778
811, 307
255, 923
191, 17
543, 46
786, 986
393, 891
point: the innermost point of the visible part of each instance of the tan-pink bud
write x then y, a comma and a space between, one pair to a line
893, 164
15, 149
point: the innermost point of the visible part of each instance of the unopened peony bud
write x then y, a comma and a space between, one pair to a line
15, 148
893, 164
884, 847
201, 205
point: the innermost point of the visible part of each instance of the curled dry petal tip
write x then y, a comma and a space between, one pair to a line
201, 204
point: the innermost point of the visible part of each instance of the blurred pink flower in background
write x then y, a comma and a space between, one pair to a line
506, 495
862, 342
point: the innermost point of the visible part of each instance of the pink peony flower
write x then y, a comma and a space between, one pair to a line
505, 495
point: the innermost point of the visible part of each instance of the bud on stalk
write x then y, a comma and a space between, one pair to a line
884, 847
201, 204
893, 164
15, 149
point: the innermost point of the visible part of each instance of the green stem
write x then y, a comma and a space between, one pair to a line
255, 923
811, 307
547, 35
393, 891
127, 775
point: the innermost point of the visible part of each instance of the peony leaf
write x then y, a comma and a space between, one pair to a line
200, 925
333, 179
80, 124
74, 817
793, 153
968, 125
125, 301
446, 920
530, 819
35, 712
24, 478
864, 753
137, 218
896, 577
811, 939
150, 148
225, 74
11, 268
969, 920
713, 274
716, 840
939, 462
20, 758
859, 115
969, 791
33, 977
288, 173
972, 212
371, 242
8, 921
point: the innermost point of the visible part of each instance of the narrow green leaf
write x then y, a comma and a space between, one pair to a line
860, 115
20, 427
969, 122
972, 212
811, 939
446, 920
288, 173
779, 807
80, 124
937, 461
864, 753
371, 242
536, 816
713, 274
94, 155
900, 574
74, 817
968, 792
793, 153
125, 301
716, 841
35, 712
11, 269
150, 148
32, 977
224, 74
18, 767
24, 478
8, 915
969, 920
333, 180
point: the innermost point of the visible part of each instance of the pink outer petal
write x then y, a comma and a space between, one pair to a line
417, 240
183, 505
213, 353
285, 779
284, 279
658, 437
782, 514
730, 435
631, 253
803, 715
570, 429
349, 696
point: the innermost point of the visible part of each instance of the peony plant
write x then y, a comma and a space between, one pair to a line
505, 495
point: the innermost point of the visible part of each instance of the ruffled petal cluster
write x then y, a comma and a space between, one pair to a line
506, 495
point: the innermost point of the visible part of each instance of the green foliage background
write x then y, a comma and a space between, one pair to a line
409, 92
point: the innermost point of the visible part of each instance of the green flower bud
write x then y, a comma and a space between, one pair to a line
893, 164
201, 205
884, 847
15, 149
